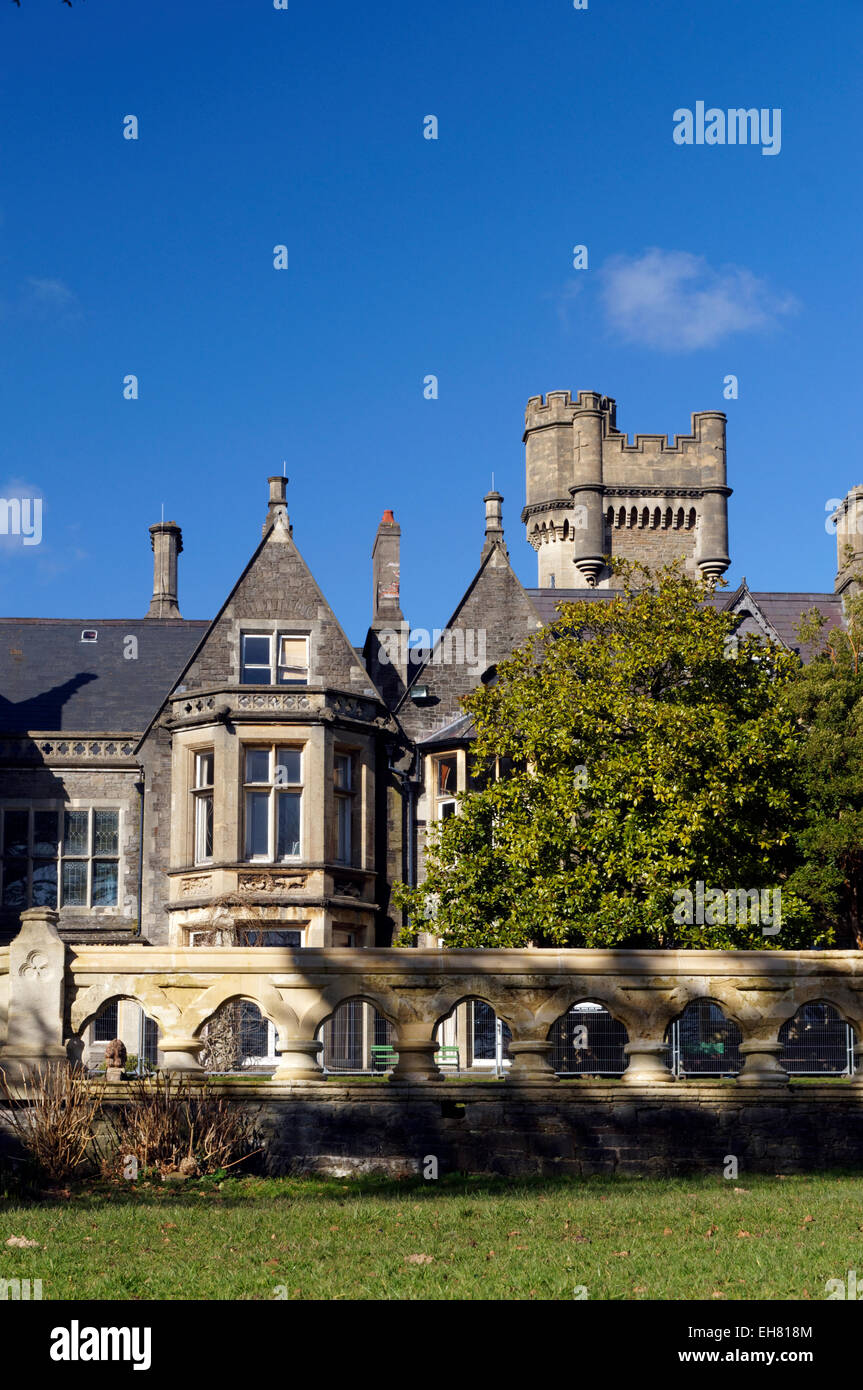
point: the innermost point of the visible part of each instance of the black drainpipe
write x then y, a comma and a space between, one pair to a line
140, 787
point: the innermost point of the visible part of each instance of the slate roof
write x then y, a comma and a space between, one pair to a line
545, 601
782, 610
51, 681
461, 728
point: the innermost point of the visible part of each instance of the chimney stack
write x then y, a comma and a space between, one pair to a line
166, 540
277, 511
386, 645
386, 572
493, 524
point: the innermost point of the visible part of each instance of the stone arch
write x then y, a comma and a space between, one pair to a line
565, 529
594, 990
621, 518
148, 996
256, 989
234, 1038
633, 517
645, 518
657, 518
815, 1040
338, 991
707, 1039
690, 520
666, 524
678, 520
470, 1026
844, 1000
587, 1040
609, 516
350, 1032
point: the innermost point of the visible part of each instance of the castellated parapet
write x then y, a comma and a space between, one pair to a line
591, 493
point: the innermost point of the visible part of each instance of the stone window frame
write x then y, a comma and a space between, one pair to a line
274, 632
202, 793
275, 789
444, 805
60, 805
345, 796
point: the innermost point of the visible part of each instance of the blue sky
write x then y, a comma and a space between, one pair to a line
409, 257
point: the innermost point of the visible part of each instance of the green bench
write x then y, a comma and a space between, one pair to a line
448, 1057
384, 1056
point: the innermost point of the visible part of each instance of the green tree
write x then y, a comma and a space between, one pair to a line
828, 699
648, 749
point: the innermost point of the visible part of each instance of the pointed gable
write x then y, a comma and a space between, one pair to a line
277, 592
494, 616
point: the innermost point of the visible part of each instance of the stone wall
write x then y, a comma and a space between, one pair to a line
529, 1122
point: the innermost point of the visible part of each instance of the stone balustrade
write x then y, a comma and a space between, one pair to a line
50, 991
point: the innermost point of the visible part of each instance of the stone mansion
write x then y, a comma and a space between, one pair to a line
254, 779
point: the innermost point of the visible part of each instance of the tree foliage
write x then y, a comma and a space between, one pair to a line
828, 699
648, 748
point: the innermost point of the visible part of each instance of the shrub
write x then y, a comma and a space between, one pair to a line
180, 1126
53, 1113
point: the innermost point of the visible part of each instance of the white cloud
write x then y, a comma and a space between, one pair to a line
676, 301
48, 298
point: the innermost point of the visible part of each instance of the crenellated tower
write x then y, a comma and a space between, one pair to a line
591, 493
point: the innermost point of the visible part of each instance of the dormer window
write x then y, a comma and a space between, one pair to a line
274, 658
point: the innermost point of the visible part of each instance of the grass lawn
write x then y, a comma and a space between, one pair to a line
459, 1238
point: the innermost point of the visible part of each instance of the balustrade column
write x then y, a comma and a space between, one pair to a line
416, 1047
299, 1060
761, 1066
181, 1054
531, 1062
647, 1062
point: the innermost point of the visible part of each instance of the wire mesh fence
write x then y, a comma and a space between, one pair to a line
587, 1041
817, 1042
703, 1042
357, 1039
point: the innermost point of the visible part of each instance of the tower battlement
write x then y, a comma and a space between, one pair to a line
591, 492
